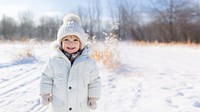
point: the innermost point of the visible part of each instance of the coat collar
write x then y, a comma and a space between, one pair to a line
81, 57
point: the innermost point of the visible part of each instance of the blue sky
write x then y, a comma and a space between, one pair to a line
40, 7
53, 8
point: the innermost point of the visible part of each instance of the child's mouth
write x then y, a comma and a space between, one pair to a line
70, 48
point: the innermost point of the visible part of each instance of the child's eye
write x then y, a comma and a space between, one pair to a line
66, 40
75, 39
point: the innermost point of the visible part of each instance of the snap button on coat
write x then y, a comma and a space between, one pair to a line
70, 108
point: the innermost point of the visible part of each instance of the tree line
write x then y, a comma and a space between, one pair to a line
158, 21
26, 28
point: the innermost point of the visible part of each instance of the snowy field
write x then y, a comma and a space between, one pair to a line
148, 79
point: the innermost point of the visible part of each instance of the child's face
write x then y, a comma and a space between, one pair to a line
71, 44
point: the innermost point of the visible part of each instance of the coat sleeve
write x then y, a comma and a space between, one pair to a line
95, 83
46, 79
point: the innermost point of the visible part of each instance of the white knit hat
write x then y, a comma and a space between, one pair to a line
71, 26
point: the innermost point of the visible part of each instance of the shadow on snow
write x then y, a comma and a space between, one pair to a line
21, 61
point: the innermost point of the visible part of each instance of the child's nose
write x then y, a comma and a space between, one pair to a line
70, 42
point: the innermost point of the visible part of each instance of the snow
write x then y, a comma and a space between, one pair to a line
149, 78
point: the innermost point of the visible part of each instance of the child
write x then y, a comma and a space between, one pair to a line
70, 81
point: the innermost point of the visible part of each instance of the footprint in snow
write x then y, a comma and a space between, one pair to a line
196, 104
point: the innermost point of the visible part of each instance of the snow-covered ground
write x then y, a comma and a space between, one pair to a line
148, 79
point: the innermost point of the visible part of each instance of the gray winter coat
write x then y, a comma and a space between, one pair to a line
70, 85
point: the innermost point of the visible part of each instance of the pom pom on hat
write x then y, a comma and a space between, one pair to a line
71, 26
72, 17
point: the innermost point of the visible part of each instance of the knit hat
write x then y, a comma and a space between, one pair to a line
71, 26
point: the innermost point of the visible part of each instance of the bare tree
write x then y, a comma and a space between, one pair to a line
47, 29
169, 13
94, 10
112, 11
128, 19
194, 23
83, 14
26, 24
119, 16
8, 28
